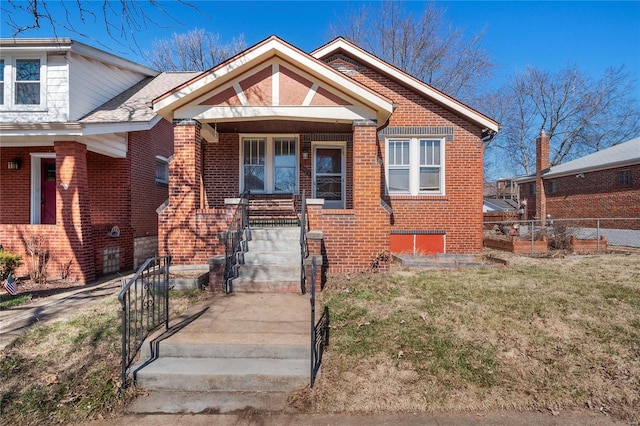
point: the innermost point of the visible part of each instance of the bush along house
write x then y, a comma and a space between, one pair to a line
387, 164
83, 157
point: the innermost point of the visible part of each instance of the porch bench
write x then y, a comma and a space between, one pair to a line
272, 211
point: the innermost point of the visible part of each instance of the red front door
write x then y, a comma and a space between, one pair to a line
48, 182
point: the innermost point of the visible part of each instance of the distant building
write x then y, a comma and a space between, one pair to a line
605, 184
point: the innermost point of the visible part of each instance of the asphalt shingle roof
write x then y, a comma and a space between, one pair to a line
133, 105
624, 153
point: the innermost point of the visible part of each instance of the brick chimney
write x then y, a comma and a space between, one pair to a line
542, 164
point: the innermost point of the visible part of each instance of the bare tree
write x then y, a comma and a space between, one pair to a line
580, 115
122, 19
196, 50
426, 46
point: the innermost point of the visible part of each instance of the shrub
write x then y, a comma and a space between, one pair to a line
8, 263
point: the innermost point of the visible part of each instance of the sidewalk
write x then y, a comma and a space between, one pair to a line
17, 319
492, 418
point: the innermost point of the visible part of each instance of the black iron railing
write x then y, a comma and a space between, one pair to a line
235, 241
145, 307
319, 330
304, 248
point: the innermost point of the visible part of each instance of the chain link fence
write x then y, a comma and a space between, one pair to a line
579, 235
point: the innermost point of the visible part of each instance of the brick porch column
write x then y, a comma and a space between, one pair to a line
372, 230
73, 210
178, 233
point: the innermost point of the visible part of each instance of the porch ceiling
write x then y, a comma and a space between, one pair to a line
282, 126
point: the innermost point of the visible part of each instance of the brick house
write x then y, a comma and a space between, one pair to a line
83, 158
389, 164
605, 184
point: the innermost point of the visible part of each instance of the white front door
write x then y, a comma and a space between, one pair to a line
328, 180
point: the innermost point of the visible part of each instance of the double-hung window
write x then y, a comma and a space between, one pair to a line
27, 83
415, 166
22, 83
269, 164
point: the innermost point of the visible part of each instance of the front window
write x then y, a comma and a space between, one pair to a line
285, 165
415, 166
254, 164
270, 164
27, 87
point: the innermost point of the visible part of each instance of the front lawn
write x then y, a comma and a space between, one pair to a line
539, 334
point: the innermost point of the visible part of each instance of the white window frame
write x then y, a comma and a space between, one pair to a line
10, 74
2, 80
270, 161
160, 160
415, 165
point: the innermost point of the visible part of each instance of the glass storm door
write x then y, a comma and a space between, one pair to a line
329, 176
48, 194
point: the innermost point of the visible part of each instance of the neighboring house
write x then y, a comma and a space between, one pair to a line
83, 157
605, 184
502, 189
389, 163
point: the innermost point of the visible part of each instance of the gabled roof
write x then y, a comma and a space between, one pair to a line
19, 45
192, 99
134, 104
341, 45
623, 154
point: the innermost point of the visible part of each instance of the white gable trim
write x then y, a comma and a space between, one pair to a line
428, 91
272, 47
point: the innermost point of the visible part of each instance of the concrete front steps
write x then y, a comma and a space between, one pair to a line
272, 262
241, 351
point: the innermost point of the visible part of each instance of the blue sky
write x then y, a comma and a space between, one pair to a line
548, 35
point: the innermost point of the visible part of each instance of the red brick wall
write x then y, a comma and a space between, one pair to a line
146, 194
597, 195
221, 169
15, 185
459, 212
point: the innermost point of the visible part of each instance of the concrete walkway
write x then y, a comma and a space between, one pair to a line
17, 319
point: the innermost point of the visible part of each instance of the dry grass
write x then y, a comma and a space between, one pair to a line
538, 334
69, 372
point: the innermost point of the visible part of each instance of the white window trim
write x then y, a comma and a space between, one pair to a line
414, 165
36, 184
269, 160
165, 161
10, 81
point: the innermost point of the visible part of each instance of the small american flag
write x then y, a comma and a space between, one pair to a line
10, 285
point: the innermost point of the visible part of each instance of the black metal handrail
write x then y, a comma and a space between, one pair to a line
235, 241
145, 307
304, 249
319, 330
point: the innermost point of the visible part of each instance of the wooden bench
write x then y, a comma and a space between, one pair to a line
271, 211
